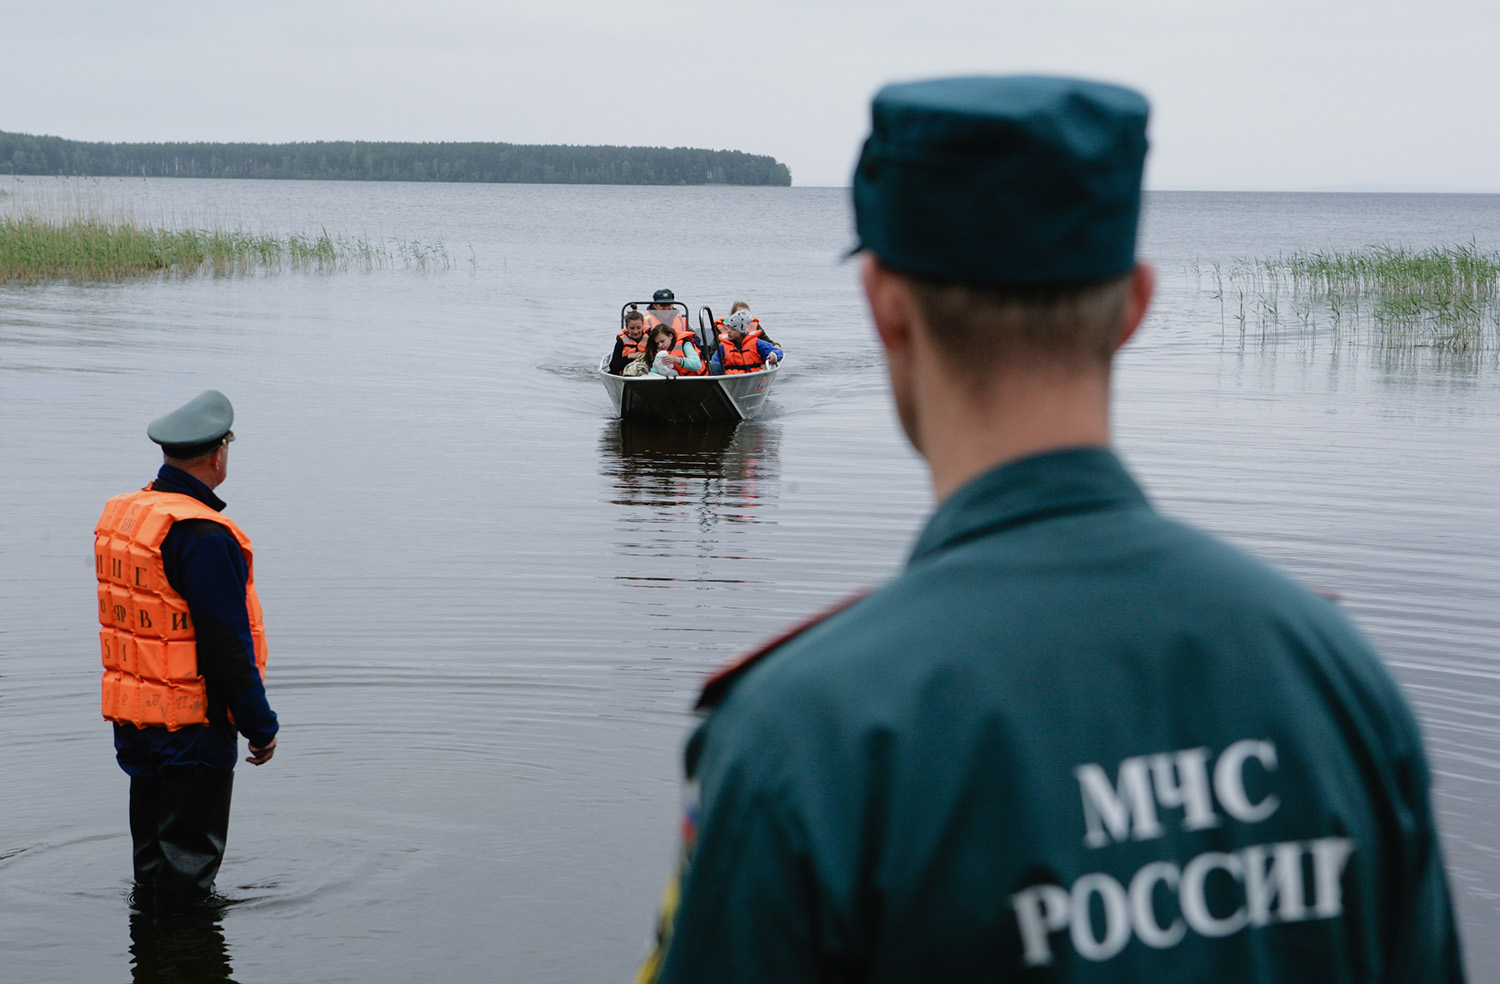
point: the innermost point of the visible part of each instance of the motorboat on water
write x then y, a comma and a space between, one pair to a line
686, 399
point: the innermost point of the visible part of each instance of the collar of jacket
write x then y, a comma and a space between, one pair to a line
1067, 481
170, 479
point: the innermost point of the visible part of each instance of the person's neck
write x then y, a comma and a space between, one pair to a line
965, 434
203, 472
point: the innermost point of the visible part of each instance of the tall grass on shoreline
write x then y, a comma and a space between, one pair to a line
1443, 297
84, 247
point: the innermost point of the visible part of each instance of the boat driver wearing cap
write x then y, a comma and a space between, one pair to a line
1074, 740
184, 655
662, 311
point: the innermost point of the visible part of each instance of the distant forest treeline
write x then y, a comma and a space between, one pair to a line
22, 153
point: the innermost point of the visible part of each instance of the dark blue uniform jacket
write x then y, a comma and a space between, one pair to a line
204, 564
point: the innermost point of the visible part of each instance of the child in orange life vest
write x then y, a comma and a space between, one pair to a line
669, 356
742, 346
630, 345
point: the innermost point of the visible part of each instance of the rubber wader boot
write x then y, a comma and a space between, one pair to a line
179, 821
145, 793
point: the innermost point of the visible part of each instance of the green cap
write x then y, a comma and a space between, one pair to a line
999, 181
195, 428
663, 295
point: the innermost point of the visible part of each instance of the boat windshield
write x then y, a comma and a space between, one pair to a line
674, 315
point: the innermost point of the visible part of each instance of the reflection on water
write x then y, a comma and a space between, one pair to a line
1405, 363
1408, 361
720, 473
178, 948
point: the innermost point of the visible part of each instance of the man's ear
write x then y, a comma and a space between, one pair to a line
891, 304
1137, 300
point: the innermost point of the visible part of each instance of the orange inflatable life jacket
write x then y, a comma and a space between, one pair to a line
149, 650
681, 353
632, 347
744, 357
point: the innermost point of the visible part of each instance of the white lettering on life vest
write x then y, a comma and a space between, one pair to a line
1176, 781
1271, 885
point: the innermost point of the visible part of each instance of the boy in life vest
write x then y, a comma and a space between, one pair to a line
742, 347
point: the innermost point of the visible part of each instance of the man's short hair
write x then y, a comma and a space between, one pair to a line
979, 330
191, 461
1011, 206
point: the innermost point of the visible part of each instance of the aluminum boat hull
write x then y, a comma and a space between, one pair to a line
688, 399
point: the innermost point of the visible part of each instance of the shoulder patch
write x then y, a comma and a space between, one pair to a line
719, 684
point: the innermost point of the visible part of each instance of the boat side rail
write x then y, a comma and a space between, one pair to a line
708, 332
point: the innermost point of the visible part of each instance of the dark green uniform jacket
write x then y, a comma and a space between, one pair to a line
1073, 741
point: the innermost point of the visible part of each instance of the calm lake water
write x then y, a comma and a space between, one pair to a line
490, 605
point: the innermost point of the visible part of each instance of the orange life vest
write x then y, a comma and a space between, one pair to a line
744, 357
632, 347
150, 654
681, 353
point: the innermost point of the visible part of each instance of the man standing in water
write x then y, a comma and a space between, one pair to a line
1074, 740
184, 655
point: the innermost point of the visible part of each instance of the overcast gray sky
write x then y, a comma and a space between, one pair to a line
1275, 95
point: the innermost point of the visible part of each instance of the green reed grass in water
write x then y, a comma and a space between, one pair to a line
1445, 297
35, 248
